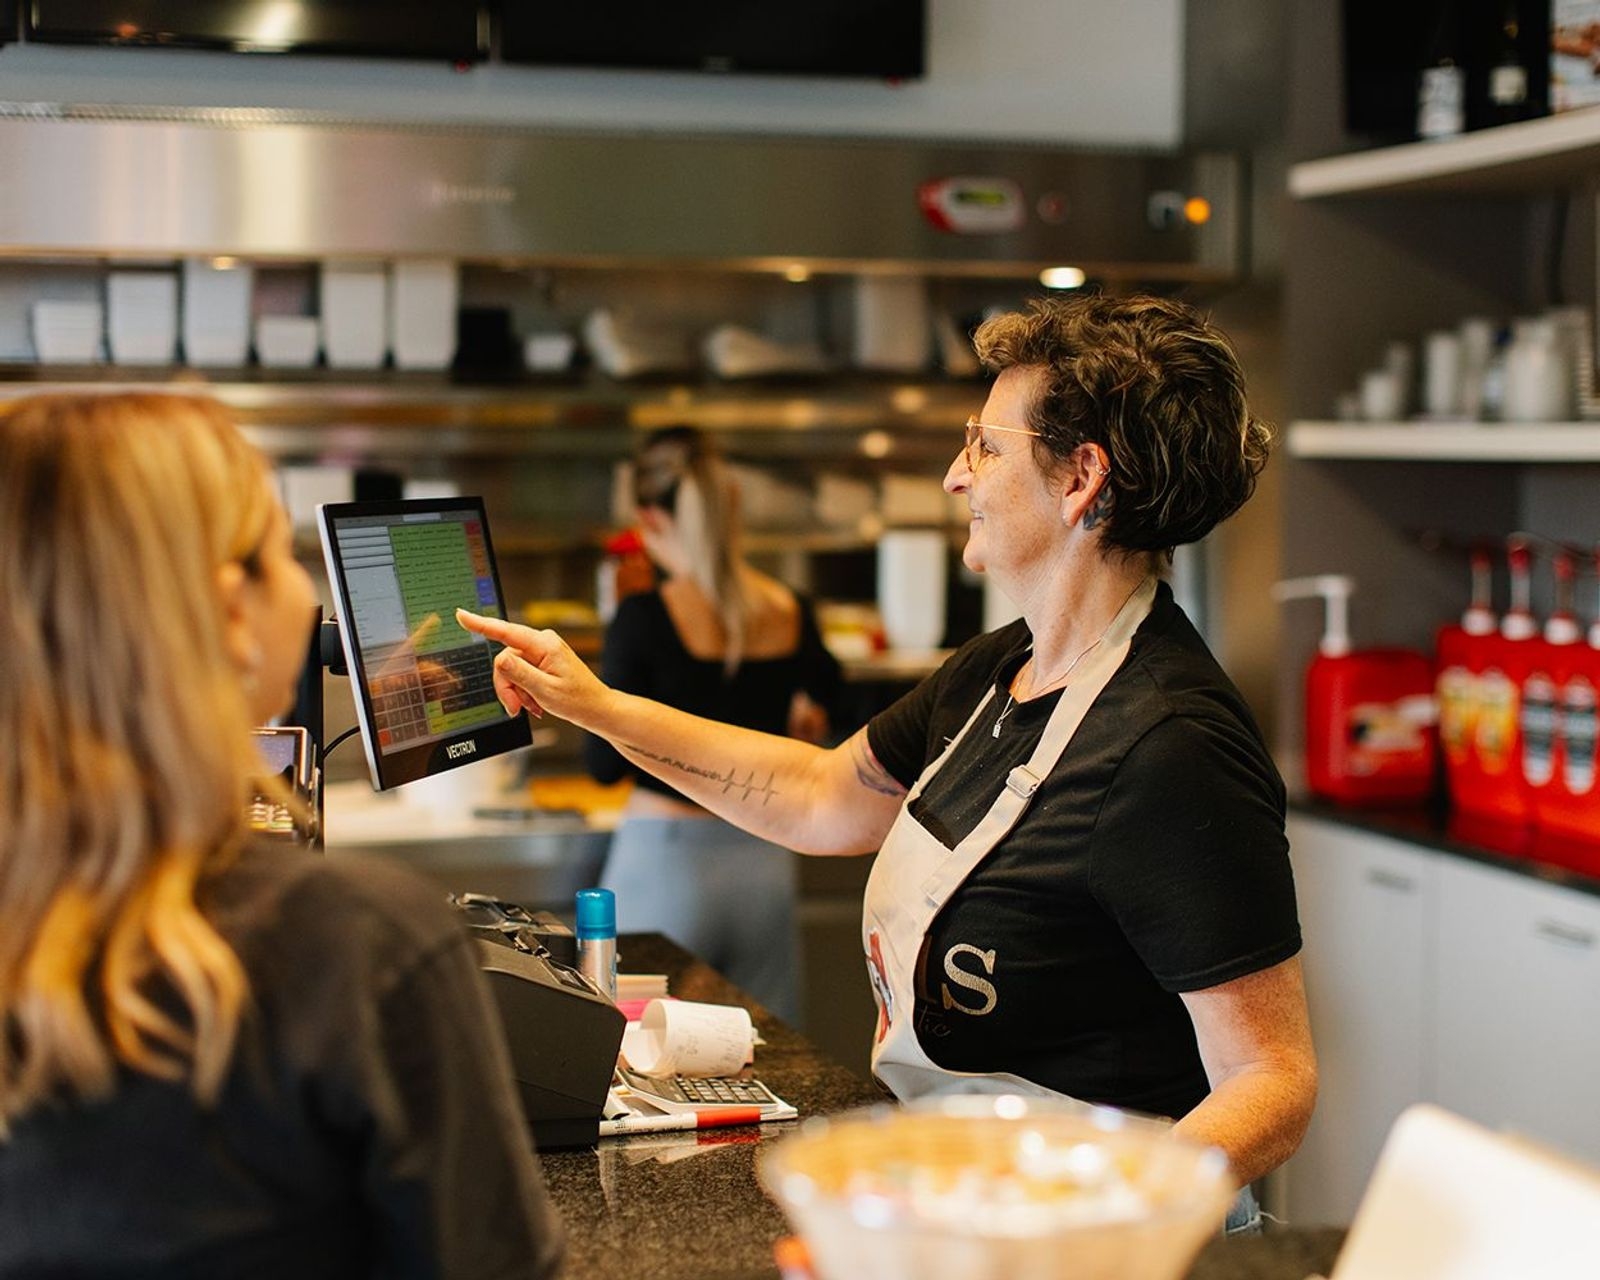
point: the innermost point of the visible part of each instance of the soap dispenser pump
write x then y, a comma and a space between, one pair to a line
1369, 713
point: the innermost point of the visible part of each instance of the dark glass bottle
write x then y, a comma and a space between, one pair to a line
1508, 70
1442, 79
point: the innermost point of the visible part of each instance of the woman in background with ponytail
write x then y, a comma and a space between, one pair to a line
721, 640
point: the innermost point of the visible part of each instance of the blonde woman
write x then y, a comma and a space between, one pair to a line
721, 640
215, 1058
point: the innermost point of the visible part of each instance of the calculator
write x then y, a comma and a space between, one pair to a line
682, 1093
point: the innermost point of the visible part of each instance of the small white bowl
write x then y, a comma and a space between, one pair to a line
287, 342
548, 352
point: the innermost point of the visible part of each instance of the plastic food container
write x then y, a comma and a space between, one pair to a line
966, 1188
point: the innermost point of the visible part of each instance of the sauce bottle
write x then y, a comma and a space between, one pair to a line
1570, 805
1491, 785
1369, 712
1462, 656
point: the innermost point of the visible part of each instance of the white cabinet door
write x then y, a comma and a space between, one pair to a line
1366, 911
1518, 980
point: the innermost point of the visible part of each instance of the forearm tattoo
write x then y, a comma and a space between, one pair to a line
730, 780
869, 773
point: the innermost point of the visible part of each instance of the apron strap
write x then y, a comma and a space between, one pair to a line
937, 762
1025, 779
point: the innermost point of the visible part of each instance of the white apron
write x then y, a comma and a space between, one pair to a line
914, 874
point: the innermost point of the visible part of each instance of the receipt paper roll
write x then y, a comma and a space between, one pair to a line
680, 1037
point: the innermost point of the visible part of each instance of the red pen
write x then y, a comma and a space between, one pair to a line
709, 1118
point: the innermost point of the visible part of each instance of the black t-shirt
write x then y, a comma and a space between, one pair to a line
367, 1127
1152, 861
644, 655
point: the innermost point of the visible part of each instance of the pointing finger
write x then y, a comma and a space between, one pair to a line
499, 629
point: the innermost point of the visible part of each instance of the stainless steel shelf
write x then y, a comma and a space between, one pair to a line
410, 414
539, 542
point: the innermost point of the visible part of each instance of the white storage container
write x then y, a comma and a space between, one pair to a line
67, 332
893, 326
142, 316
548, 352
305, 488
911, 587
355, 304
216, 313
287, 342
422, 313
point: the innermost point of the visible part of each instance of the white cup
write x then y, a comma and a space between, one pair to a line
1381, 399
1401, 360
1441, 375
1538, 375
1477, 351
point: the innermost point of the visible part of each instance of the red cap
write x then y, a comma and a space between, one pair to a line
625, 543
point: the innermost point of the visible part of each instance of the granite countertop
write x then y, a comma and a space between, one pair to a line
684, 1206
1542, 855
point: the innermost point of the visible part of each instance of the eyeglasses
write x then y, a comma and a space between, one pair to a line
975, 430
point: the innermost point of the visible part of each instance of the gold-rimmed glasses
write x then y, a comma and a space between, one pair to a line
975, 430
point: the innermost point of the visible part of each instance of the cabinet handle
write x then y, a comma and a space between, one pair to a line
1391, 880
1564, 934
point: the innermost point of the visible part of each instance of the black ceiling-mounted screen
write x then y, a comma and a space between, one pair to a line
879, 38
454, 30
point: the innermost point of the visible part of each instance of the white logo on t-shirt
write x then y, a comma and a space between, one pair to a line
970, 981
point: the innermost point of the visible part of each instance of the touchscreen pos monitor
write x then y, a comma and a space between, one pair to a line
424, 688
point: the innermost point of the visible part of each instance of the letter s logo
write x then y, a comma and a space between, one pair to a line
969, 980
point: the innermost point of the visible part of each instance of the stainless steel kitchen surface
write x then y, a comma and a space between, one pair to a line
538, 859
275, 184
545, 228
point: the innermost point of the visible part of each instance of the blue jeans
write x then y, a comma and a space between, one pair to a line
1244, 1218
726, 896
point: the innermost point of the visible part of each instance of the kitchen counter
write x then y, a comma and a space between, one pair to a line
1570, 863
689, 1207
467, 834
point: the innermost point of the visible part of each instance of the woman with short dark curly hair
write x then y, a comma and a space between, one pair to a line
1159, 390
1082, 882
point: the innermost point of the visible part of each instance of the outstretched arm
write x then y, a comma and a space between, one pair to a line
838, 801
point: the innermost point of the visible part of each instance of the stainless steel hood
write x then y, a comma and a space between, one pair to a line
119, 183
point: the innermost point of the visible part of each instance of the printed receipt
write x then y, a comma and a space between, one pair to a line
680, 1037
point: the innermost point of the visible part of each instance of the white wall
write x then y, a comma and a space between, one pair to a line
1060, 71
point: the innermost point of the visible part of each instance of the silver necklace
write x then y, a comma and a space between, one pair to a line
1011, 700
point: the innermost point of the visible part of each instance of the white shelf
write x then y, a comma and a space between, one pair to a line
1533, 155
1448, 442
